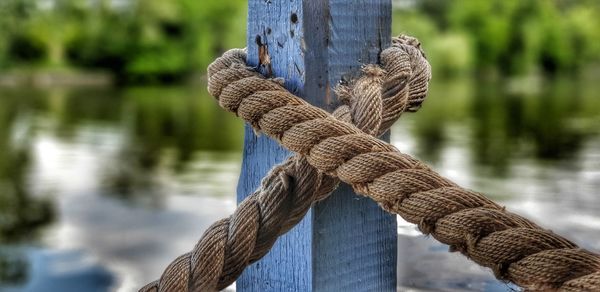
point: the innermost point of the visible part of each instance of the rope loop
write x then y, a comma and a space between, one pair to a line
372, 102
344, 147
466, 221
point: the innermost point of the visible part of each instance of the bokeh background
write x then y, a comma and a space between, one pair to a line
114, 159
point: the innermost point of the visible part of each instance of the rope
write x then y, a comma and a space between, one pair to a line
515, 248
373, 103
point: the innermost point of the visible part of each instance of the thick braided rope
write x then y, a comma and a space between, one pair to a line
516, 249
373, 102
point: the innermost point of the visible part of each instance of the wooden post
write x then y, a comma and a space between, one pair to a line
346, 243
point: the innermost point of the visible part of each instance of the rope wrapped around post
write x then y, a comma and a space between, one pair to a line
373, 103
516, 249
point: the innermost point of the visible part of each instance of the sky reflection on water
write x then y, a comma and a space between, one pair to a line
100, 189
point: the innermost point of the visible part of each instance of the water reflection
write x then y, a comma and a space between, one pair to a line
13, 267
101, 188
104, 174
21, 213
502, 124
535, 150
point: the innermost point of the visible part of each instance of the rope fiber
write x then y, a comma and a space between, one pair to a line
516, 249
373, 103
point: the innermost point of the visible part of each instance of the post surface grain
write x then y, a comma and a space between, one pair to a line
346, 243
287, 267
354, 240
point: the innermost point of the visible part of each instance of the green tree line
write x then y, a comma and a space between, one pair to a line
509, 37
155, 40
137, 40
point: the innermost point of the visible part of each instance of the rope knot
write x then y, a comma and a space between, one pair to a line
408, 70
385, 91
373, 102
518, 250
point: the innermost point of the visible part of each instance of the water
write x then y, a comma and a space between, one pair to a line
101, 188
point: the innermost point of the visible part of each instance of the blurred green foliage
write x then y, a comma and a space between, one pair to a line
154, 40
507, 37
137, 40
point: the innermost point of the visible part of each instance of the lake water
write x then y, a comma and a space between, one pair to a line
101, 188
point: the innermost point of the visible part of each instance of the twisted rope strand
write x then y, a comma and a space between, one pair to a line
516, 249
373, 103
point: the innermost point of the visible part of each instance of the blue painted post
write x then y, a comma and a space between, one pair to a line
346, 243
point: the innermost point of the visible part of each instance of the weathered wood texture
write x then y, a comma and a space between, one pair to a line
346, 243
